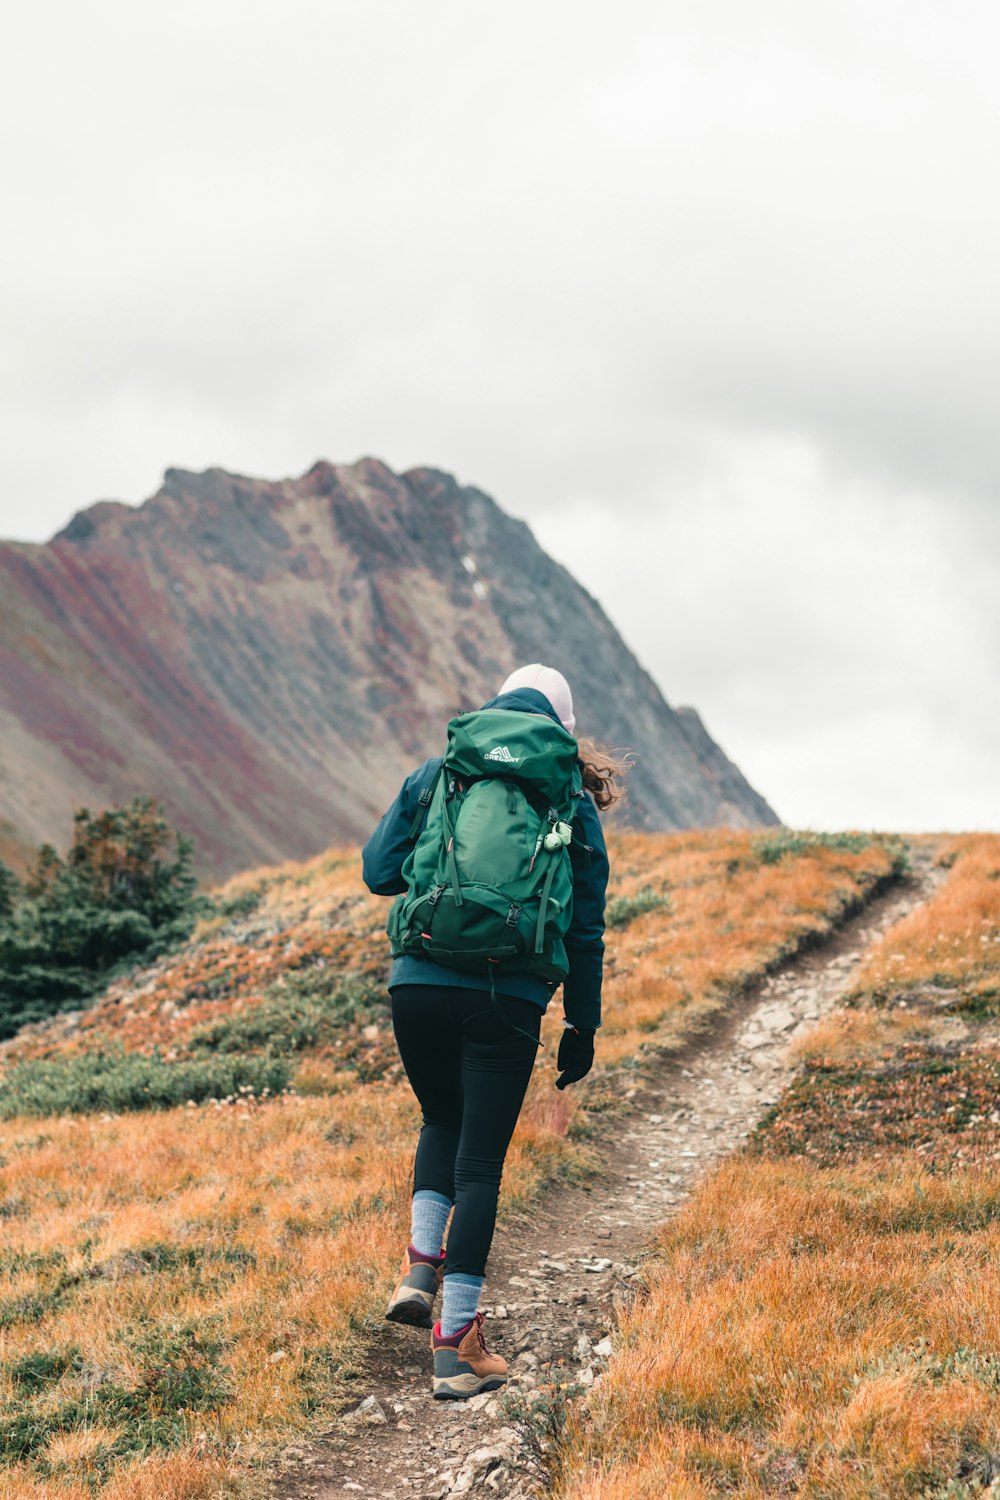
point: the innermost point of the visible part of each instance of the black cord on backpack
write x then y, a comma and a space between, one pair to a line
496, 1006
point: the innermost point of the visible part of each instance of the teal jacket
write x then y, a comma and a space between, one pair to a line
382, 864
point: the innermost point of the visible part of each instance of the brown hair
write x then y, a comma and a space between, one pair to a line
602, 772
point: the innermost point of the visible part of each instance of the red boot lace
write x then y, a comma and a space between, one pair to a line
479, 1332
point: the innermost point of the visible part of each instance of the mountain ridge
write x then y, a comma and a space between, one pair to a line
270, 657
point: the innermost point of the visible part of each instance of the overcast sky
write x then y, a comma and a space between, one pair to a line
707, 292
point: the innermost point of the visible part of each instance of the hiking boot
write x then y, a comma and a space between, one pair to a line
413, 1298
463, 1366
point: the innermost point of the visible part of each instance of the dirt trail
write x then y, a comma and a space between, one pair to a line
553, 1281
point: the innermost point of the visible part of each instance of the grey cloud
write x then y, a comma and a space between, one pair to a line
705, 294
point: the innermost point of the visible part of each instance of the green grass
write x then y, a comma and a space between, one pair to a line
181, 1373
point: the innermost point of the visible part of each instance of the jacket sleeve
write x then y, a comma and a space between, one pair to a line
383, 855
585, 939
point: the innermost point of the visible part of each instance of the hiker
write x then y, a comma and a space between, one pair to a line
496, 856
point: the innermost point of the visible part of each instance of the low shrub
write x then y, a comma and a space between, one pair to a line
116, 1081
621, 910
769, 848
310, 1007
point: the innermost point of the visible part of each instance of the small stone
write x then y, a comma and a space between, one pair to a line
279, 1354
369, 1413
603, 1349
775, 1017
752, 1039
483, 1459
500, 1311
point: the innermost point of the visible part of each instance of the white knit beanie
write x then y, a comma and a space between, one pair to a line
550, 682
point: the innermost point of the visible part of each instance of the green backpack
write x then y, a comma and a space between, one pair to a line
489, 881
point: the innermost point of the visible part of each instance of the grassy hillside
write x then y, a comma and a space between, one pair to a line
823, 1317
205, 1175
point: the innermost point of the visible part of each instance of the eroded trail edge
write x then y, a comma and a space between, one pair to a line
554, 1280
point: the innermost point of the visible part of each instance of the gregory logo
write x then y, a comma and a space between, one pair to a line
500, 752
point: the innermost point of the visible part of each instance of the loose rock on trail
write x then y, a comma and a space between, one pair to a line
553, 1280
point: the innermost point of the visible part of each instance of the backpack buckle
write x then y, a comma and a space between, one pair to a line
435, 895
513, 917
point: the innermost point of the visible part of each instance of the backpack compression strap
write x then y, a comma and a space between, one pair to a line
450, 848
543, 908
423, 803
557, 854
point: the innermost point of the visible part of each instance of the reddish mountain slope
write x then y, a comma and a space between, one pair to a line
271, 658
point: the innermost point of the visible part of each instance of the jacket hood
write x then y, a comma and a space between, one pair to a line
526, 701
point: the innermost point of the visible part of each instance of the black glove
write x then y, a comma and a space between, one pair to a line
576, 1055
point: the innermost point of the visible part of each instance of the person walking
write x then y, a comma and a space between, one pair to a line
498, 863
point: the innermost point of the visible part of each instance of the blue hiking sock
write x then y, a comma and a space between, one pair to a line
460, 1301
430, 1215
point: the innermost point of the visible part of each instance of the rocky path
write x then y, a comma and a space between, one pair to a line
554, 1280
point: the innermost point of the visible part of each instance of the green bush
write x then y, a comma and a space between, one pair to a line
624, 909
10, 890
118, 1080
124, 890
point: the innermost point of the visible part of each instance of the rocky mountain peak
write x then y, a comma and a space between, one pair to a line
271, 657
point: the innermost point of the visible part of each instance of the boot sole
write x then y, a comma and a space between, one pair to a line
411, 1311
461, 1387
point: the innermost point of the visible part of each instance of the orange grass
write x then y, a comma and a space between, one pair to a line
799, 1324
933, 971
730, 919
187, 1474
953, 942
827, 1330
308, 1194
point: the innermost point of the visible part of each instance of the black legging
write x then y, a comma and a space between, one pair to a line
469, 1069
